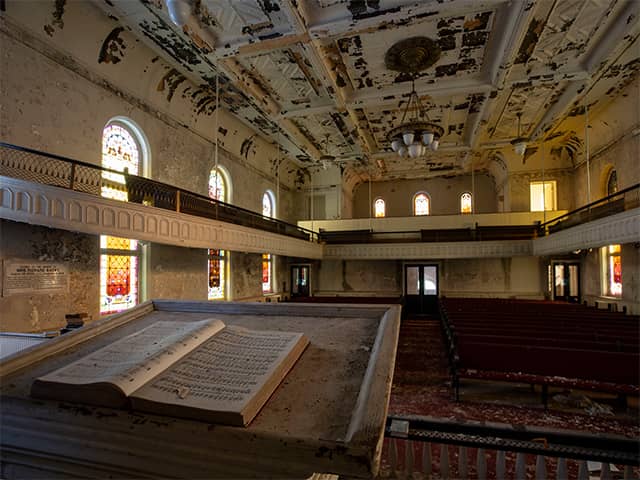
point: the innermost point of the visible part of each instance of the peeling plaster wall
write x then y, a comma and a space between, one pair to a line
59, 95
247, 278
79, 252
444, 192
381, 278
518, 277
176, 272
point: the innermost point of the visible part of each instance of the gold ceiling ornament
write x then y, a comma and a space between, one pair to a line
412, 55
416, 134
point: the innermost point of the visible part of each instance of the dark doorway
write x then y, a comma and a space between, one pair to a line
566, 282
300, 280
421, 288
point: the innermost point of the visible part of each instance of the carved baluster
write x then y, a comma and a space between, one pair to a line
444, 462
521, 468
462, 462
583, 471
561, 470
393, 456
541, 468
408, 458
500, 469
481, 464
628, 472
605, 471
426, 459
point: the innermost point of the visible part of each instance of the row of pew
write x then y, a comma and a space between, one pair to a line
542, 343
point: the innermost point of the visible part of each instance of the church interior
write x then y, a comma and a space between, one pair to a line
332, 152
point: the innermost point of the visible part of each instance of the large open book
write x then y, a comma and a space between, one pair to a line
201, 370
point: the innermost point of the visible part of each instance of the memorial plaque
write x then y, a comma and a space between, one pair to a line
34, 277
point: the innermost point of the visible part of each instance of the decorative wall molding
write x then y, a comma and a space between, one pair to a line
622, 227
55, 207
424, 251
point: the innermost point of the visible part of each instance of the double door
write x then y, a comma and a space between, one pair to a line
566, 281
421, 288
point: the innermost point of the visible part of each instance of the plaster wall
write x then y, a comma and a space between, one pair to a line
176, 272
33, 312
519, 277
60, 104
444, 192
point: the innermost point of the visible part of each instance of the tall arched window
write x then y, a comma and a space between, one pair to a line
268, 209
379, 208
612, 182
465, 203
421, 204
123, 148
219, 187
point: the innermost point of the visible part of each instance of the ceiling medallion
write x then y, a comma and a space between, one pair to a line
415, 134
412, 55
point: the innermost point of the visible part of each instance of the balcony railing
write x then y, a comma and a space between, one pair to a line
440, 448
39, 167
618, 202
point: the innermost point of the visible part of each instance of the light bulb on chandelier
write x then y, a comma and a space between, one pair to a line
415, 135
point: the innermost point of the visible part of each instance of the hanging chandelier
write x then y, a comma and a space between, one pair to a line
416, 134
519, 143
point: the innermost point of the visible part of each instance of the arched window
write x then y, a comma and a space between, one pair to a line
465, 203
612, 182
123, 148
421, 204
268, 210
219, 188
611, 258
379, 208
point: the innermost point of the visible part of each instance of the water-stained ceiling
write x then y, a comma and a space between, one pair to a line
311, 74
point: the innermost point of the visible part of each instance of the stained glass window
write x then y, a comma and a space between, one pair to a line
421, 204
465, 203
216, 288
612, 270
266, 272
379, 208
612, 183
267, 259
119, 259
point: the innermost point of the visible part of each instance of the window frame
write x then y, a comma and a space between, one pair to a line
130, 248
375, 209
462, 196
428, 199
553, 184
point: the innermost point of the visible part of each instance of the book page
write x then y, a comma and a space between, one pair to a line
134, 360
227, 371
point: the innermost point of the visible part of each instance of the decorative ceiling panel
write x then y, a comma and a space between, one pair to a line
297, 70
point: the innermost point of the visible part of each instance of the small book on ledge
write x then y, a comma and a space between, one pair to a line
200, 370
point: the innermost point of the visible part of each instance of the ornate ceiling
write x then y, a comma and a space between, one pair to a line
298, 71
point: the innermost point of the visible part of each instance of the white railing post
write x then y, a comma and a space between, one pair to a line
583, 471
408, 458
521, 468
541, 468
500, 470
462, 462
444, 462
393, 456
561, 469
426, 459
481, 464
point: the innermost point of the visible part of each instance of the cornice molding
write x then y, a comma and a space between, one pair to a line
622, 227
55, 207
431, 250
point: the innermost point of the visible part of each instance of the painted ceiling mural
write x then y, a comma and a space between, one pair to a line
311, 74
